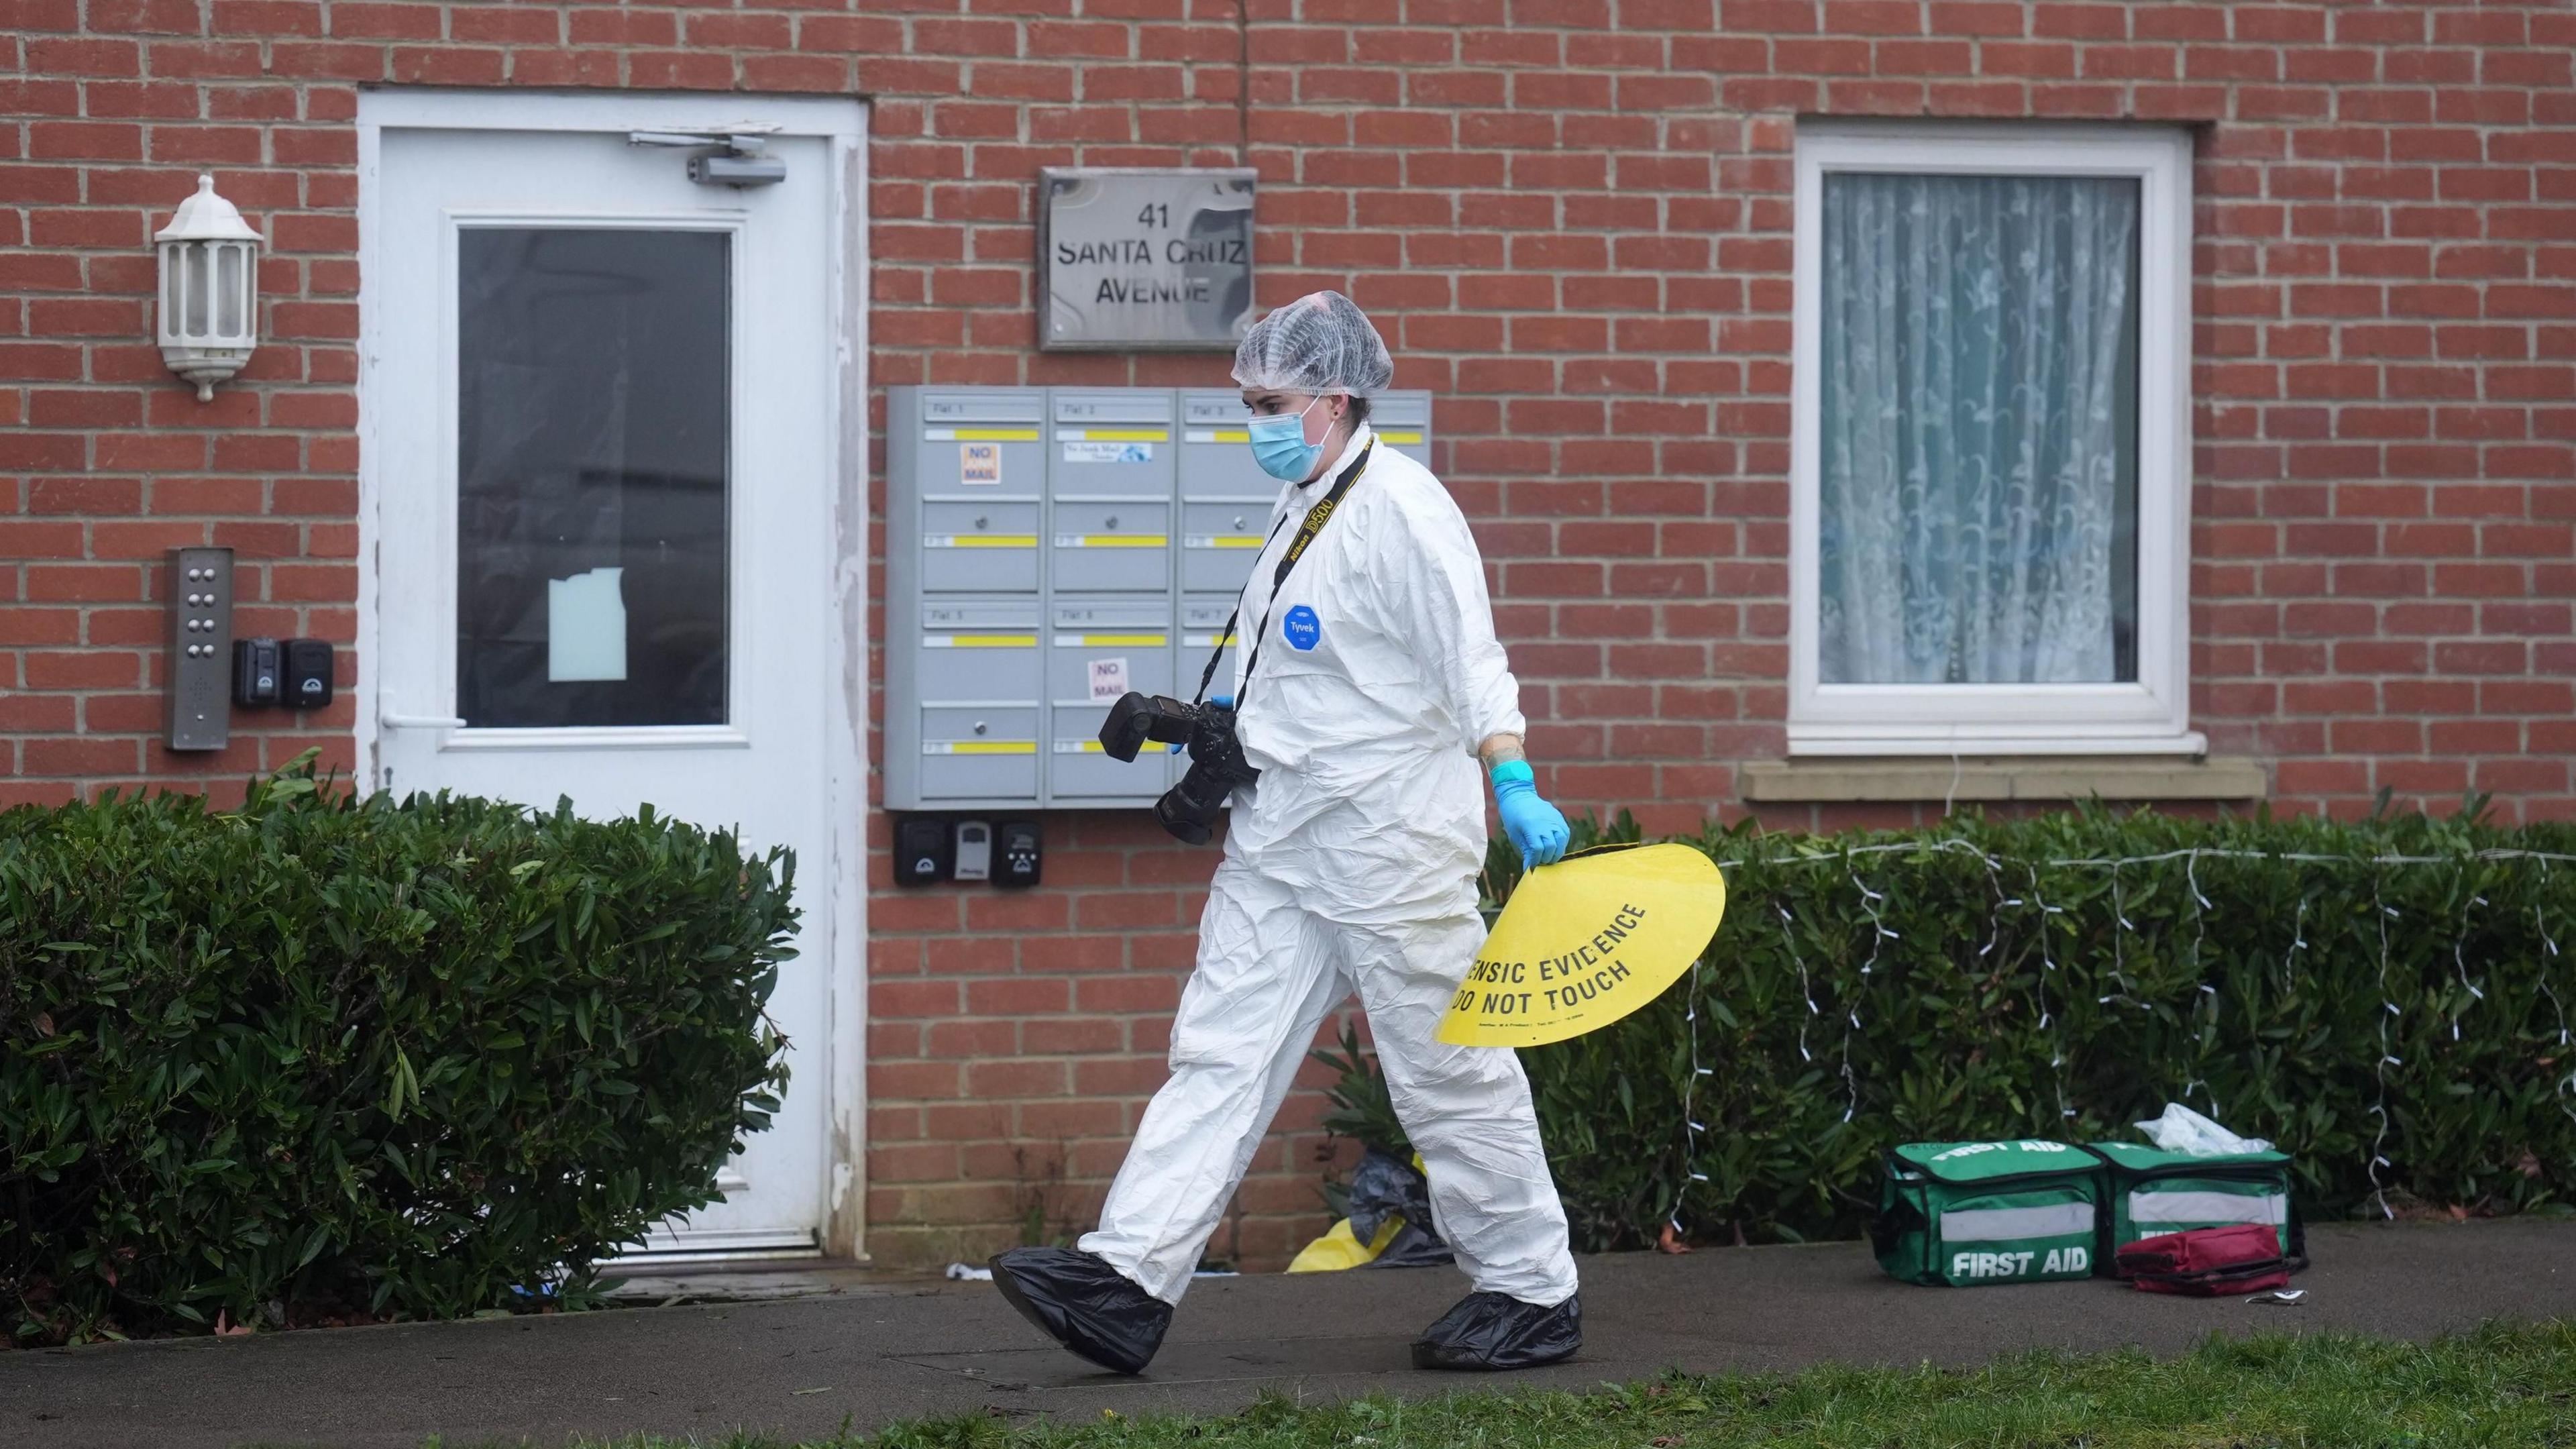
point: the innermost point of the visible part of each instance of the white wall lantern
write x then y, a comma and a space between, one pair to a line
209, 290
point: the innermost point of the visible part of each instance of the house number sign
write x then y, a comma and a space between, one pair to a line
1132, 259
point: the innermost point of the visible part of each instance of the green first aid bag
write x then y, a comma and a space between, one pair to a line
2151, 1191
1969, 1213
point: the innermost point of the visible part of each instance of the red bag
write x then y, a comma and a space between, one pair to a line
2208, 1262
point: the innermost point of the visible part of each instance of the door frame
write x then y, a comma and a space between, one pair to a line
843, 125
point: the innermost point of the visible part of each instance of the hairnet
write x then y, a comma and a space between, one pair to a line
1322, 342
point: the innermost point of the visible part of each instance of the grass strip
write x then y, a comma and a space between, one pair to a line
2504, 1386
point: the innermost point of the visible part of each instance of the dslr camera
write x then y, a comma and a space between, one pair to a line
1188, 809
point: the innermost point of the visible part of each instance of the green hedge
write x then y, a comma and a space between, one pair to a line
2290, 977
321, 1057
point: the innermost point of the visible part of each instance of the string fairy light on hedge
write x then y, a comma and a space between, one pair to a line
2383, 913
2199, 972
1994, 913
1692, 1127
2199, 907
2566, 1084
2199, 930
1871, 909
2298, 943
2120, 937
2048, 968
1879, 934
1806, 990
2550, 944
2459, 960
2126, 989
1869, 900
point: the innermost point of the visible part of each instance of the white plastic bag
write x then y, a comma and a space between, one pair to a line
2181, 1129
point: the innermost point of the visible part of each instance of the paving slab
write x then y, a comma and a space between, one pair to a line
869, 1355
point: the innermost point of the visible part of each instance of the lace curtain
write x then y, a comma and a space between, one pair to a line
1977, 470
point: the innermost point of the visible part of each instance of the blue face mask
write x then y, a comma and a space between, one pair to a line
1279, 445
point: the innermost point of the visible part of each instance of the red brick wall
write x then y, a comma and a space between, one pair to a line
106, 460
1572, 220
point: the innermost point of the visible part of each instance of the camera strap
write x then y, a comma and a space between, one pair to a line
1316, 518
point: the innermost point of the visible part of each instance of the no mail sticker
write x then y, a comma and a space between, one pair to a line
979, 462
1108, 679
1586, 941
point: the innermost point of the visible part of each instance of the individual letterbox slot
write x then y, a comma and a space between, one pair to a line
1219, 541
1403, 422
1095, 654
1112, 443
1216, 451
979, 752
1119, 545
984, 546
983, 443
978, 653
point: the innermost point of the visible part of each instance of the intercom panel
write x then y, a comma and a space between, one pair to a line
197, 594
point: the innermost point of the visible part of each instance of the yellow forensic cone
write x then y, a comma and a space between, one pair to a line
1586, 941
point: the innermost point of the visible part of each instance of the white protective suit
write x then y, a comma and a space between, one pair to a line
1350, 866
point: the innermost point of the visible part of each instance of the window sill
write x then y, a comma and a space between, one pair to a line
1889, 725
1989, 780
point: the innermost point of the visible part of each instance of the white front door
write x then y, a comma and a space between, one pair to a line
602, 441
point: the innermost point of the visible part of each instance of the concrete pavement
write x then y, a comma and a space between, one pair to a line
798, 1366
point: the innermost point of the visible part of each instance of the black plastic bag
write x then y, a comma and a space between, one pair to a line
1496, 1331
1084, 1304
1383, 1186
1414, 1246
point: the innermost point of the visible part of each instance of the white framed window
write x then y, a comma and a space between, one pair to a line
1991, 474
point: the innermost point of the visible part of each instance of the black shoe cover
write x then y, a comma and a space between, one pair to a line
1493, 1331
1084, 1304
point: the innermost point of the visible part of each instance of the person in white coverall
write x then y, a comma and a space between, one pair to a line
1369, 689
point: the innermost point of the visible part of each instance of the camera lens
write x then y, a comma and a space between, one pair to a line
1173, 813
1188, 809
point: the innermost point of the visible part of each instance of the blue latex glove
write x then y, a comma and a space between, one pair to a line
1537, 828
1221, 701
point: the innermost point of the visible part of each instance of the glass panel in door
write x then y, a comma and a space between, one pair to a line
593, 438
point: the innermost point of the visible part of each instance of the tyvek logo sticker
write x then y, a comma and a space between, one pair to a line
1301, 628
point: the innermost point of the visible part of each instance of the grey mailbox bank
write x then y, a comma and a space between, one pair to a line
1048, 549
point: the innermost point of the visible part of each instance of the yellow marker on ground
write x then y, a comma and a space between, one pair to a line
1340, 1248
1586, 941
